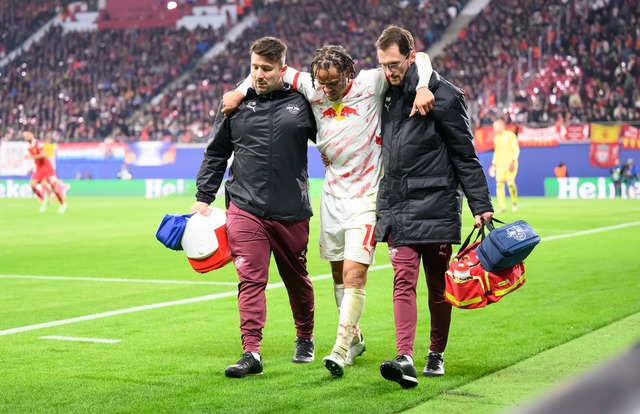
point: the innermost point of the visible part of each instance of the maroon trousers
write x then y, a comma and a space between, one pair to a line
406, 265
251, 242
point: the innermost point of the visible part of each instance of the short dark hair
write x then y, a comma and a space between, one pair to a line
271, 48
332, 55
395, 35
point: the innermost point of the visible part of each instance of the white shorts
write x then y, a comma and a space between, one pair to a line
346, 228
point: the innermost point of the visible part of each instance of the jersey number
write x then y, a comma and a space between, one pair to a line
368, 238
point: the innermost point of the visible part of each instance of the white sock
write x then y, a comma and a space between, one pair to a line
350, 314
338, 294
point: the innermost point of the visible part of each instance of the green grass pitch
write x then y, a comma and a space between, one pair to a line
98, 272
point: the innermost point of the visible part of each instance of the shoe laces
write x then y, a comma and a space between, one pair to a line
401, 358
304, 345
434, 361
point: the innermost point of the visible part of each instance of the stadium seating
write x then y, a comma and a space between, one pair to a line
85, 85
539, 62
305, 26
19, 20
504, 44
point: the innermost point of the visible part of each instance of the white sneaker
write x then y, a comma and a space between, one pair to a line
334, 363
44, 204
62, 208
355, 350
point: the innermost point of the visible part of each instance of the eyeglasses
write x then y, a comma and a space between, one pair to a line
392, 67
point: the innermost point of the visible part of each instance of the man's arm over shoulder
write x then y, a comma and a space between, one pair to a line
300, 81
232, 99
425, 70
307, 120
425, 100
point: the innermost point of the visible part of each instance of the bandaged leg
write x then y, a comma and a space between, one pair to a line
350, 313
338, 294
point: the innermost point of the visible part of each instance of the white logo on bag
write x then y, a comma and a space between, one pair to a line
517, 233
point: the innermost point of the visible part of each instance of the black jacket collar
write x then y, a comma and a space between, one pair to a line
278, 94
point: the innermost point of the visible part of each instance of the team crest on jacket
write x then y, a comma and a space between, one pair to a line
294, 109
252, 105
387, 103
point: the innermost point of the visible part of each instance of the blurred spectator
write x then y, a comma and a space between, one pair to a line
630, 177
124, 173
561, 170
616, 177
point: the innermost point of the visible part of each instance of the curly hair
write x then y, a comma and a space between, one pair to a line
332, 55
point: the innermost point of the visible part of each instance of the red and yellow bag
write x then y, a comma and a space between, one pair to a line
478, 287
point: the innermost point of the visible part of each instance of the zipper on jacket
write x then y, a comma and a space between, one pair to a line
394, 153
270, 159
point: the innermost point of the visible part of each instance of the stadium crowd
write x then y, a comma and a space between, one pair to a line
91, 85
19, 20
192, 104
599, 38
85, 85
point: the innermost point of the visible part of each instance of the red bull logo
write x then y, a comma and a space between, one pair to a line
329, 113
339, 112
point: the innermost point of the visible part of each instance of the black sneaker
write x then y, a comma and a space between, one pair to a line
304, 351
435, 365
248, 365
400, 370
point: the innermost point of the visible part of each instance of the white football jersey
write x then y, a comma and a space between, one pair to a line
348, 131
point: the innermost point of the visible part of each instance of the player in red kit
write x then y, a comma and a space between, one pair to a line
45, 174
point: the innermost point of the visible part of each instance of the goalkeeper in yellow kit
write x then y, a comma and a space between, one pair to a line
504, 166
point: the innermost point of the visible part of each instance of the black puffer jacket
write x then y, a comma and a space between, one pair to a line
428, 163
267, 135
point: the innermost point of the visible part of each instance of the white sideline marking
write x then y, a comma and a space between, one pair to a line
71, 338
148, 307
269, 286
592, 231
115, 313
119, 280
